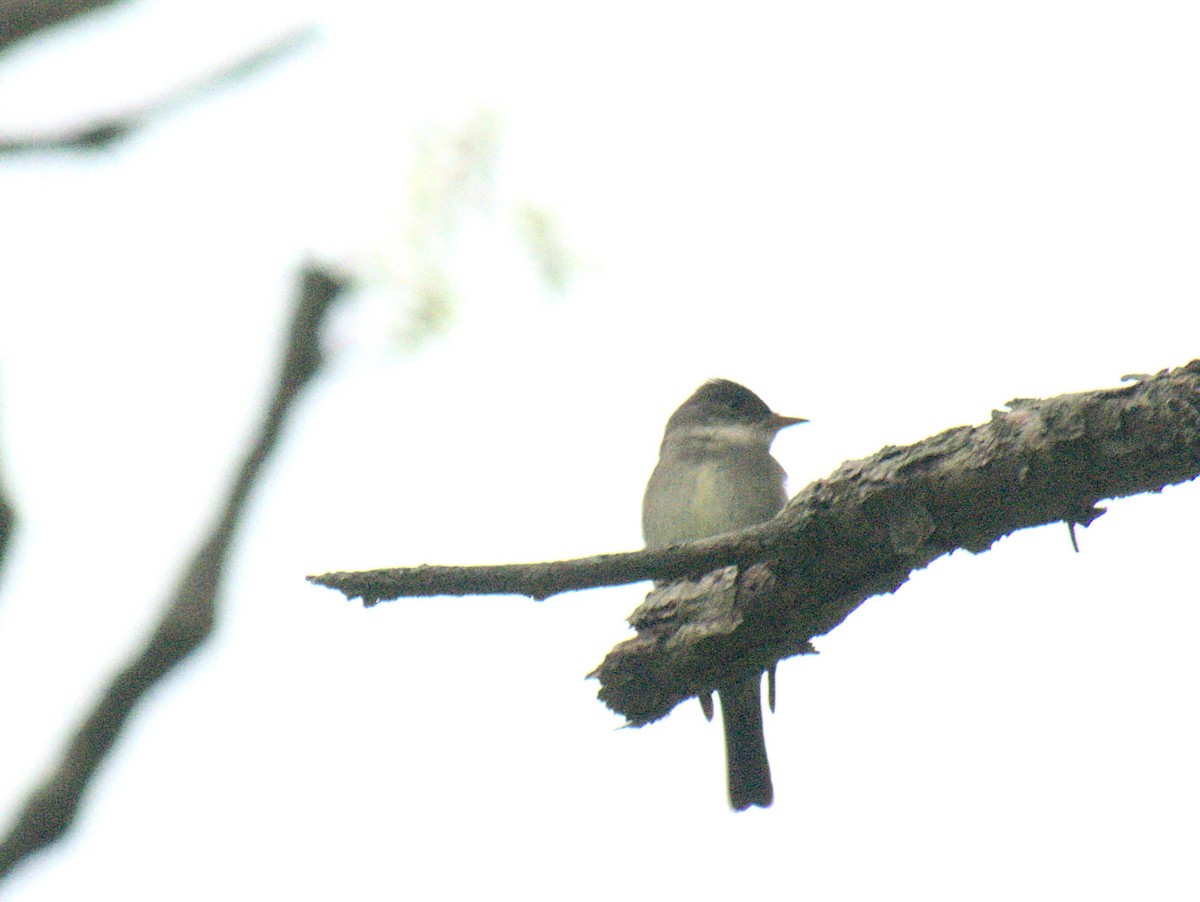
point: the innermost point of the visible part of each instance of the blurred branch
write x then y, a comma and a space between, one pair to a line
8, 524
102, 133
188, 617
21, 18
8, 521
860, 532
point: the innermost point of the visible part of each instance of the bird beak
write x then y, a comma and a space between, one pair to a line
778, 421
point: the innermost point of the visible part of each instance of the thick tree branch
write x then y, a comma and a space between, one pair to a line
860, 532
189, 614
102, 133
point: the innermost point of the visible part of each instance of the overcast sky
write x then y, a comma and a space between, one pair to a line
887, 218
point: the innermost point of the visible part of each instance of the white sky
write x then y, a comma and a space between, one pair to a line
889, 218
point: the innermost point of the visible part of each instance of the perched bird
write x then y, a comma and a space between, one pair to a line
715, 474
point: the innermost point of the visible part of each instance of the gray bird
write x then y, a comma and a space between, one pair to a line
715, 474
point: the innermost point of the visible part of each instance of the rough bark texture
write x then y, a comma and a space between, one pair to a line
860, 532
863, 530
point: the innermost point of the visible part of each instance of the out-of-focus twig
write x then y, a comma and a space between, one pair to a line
99, 134
8, 521
190, 611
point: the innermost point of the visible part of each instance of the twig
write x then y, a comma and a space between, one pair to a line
8, 522
102, 133
540, 581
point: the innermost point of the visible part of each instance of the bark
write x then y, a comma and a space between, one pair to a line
859, 532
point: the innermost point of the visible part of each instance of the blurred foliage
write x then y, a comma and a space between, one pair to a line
541, 234
452, 183
452, 176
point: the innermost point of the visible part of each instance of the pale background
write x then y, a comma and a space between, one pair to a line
889, 218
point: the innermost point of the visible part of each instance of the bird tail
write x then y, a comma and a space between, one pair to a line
745, 745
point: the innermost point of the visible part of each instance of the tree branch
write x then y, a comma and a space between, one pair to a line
21, 18
857, 533
190, 612
541, 580
102, 133
8, 522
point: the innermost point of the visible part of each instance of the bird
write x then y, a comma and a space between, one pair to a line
715, 474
